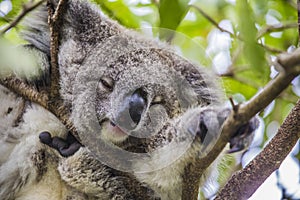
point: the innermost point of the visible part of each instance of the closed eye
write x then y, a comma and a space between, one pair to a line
157, 100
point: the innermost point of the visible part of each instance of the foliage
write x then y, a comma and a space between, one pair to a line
237, 39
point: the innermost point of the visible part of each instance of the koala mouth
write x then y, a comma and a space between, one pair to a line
111, 132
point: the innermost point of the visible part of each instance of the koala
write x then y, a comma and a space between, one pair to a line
142, 113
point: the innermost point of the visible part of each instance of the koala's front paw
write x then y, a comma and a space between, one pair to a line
243, 136
66, 147
207, 123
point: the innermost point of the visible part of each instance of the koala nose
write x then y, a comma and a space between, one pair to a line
131, 111
137, 105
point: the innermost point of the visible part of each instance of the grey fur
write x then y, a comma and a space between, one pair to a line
102, 64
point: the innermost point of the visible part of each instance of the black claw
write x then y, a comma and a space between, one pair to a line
243, 137
202, 132
59, 143
236, 148
66, 147
45, 138
73, 148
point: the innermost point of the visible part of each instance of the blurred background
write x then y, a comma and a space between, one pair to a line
238, 40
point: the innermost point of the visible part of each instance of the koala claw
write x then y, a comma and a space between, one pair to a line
243, 137
66, 147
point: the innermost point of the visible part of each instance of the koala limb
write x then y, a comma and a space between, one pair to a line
66, 147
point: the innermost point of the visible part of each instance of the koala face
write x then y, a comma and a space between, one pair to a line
132, 87
145, 94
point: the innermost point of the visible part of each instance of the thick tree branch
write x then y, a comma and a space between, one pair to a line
290, 64
23, 89
26, 9
247, 181
29, 92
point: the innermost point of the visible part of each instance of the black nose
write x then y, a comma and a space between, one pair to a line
137, 105
132, 109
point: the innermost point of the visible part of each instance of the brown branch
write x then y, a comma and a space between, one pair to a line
26, 9
23, 89
30, 93
271, 49
247, 181
290, 63
54, 20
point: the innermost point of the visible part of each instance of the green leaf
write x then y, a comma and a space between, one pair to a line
171, 13
252, 51
119, 11
233, 86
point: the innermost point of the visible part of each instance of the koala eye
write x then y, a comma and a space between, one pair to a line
137, 105
107, 83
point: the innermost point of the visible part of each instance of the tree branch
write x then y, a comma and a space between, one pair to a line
54, 21
23, 89
290, 64
26, 9
247, 181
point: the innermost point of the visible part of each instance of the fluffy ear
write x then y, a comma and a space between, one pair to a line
37, 30
82, 23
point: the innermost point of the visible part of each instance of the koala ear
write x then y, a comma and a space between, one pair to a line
83, 23
37, 30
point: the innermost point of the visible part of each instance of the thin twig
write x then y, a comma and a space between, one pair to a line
275, 28
271, 49
234, 107
26, 9
211, 20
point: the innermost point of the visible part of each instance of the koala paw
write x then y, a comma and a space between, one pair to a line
66, 147
206, 126
243, 136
